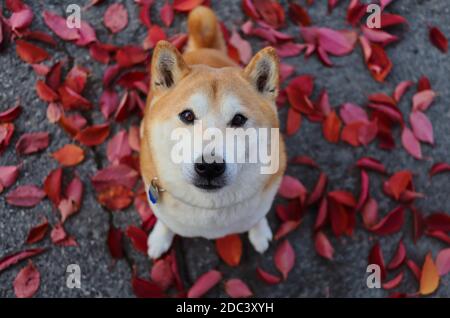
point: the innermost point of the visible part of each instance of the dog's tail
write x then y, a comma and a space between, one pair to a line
204, 30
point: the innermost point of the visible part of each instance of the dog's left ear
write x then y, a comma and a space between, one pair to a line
263, 72
168, 67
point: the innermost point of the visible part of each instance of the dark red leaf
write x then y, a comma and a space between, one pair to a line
138, 238
438, 39
115, 242
376, 257
399, 257
267, 277
391, 223
30, 53
93, 135
146, 289
38, 232
14, 258
439, 167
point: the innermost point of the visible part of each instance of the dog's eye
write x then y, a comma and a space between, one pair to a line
187, 116
238, 120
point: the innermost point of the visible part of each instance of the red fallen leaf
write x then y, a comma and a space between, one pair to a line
52, 185
423, 99
377, 61
162, 274
99, 53
14, 258
32, 142
6, 132
10, 114
242, 46
284, 258
27, 281
422, 128
291, 188
45, 92
399, 182
336, 42
331, 5
53, 78
351, 113
438, 222
429, 280
267, 277
186, 5
439, 167
138, 237
355, 11
59, 26
118, 147
331, 127
299, 14
391, 223
343, 197
322, 214
364, 194
411, 143
69, 155
286, 228
418, 223
370, 213
440, 235
155, 34
393, 283
305, 161
204, 283
339, 218
423, 84
38, 232
114, 241
76, 79
229, 249
323, 246
236, 288
319, 189
25, 196
376, 257
417, 272
400, 89
179, 40
371, 164
116, 197
30, 53
443, 262
289, 49
109, 101
116, 17
144, 13
174, 265
21, 19
117, 174
86, 34
72, 124
290, 212
93, 135
146, 289
41, 37
388, 19
438, 39
294, 120
166, 14
399, 257
8, 176
70, 99
130, 55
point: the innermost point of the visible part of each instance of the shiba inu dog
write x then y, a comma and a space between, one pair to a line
203, 197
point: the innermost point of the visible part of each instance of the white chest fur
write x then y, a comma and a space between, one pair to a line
190, 221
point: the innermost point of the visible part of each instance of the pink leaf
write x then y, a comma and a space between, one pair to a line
267, 277
443, 262
423, 99
323, 246
204, 283
27, 281
59, 26
290, 187
25, 196
284, 258
30, 143
236, 288
422, 127
411, 144
116, 17
244, 48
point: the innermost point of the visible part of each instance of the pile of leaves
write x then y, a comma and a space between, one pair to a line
61, 85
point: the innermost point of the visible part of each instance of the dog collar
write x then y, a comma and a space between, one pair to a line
154, 190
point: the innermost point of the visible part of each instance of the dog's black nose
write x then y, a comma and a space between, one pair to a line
210, 170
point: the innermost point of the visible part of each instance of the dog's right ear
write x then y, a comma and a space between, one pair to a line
168, 67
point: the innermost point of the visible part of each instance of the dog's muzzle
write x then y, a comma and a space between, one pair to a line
210, 175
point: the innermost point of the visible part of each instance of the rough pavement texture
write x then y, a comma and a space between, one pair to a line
348, 81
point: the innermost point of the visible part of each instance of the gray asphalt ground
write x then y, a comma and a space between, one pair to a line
312, 276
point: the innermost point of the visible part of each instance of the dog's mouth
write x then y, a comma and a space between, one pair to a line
208, 186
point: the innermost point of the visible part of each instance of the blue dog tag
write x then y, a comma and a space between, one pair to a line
153, 194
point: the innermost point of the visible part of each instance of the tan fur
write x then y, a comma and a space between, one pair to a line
205, 67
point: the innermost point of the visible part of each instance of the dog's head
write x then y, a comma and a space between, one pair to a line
191, 106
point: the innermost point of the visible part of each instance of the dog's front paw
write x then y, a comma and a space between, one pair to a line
159, 240
260, 235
